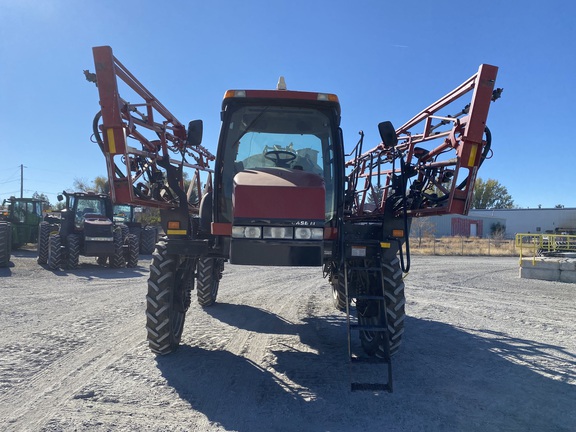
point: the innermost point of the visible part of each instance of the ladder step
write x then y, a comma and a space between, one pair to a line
368, 360
370, 387
367, 269
368, 328
369, 297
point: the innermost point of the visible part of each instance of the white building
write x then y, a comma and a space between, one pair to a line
481, 223
537, 221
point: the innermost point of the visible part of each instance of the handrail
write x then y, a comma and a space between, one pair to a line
545, 244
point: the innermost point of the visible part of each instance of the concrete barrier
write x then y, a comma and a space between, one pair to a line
559, 269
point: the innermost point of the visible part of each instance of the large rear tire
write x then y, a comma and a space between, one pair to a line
55, 257
132, 250
209, 272
43, 236
147, 240
372, 312
5, 243
117, 259
73, 249
169, 285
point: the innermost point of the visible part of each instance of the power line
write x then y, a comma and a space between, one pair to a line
14, 173
8, 181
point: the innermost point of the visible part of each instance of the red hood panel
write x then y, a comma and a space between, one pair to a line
278, 193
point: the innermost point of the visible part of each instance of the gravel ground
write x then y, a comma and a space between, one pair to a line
483, 351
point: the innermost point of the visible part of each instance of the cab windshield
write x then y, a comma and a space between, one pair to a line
282, 137
86, 206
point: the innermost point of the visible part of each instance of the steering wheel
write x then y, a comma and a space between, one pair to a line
281, 158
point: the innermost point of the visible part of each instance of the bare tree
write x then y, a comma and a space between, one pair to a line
99, 184
421, 228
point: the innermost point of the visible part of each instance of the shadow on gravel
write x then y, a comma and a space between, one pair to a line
445, 379
5, 271
24, 253
95, 271
251, 318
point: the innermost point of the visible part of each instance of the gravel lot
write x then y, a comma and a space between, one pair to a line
483, 351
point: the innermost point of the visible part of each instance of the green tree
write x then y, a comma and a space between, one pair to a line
490, 194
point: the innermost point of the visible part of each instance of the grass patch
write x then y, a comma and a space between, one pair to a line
470, 246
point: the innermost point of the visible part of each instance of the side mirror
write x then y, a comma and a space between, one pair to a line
194, 135
388, 134
60, 197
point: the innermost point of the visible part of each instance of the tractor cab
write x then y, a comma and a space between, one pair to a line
124, 213
24, 214
86, 211
279, 177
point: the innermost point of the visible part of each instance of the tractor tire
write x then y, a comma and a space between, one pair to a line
55, 255
43, 236
338, 292
374, 343
147, 240
169, 285
132, 250
125, 231
73, 249
209, 272
117, 259
5, 243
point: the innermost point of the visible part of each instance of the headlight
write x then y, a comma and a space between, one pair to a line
309, 233
277, 233
252, 232
280, 233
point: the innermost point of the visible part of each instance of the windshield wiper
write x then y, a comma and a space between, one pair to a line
251, 124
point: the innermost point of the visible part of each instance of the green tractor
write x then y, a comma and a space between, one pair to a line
86, 227
19, 221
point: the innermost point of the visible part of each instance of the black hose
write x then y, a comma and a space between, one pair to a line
98, 138
485, 151
404, 265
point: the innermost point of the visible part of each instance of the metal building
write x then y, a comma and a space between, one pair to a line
549, 220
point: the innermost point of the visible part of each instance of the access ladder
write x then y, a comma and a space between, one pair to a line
353, 324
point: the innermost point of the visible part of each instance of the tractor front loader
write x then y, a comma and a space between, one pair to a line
284, 193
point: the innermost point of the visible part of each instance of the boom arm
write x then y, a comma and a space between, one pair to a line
152, 174
413, 176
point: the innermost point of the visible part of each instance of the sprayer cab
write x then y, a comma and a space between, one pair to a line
279, 182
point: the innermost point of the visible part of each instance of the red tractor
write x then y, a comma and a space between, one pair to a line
285, 194
86, 227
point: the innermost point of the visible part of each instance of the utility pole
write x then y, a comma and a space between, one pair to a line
22, 180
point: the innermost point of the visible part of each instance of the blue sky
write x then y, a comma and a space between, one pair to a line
386, 60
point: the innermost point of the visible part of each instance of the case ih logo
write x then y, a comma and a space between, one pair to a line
305, 223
